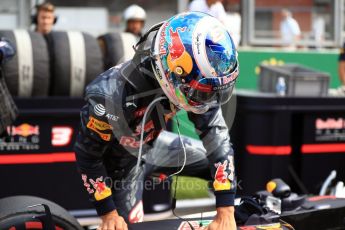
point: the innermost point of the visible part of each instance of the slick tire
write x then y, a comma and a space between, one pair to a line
77, 60
27, 74
16, 214
116, 48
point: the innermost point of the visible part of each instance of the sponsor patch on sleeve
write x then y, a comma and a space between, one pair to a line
221, 179
99, 127
102, 191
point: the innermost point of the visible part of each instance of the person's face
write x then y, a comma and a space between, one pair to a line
211, 2
135, 26
284, 14
45, 21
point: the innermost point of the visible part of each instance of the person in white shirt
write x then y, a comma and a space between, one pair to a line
289, 30
318, 31
211, 7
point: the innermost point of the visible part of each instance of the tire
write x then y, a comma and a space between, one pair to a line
116, 48
14, 211
27, 74
76, 61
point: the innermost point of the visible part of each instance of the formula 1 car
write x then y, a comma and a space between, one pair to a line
28, 212
276, 208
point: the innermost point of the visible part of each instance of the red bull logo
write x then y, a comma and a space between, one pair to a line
24, 130
179, 60
176, 47
221, 181
330, 123
102, 190
100, 186
136, 215
86, 184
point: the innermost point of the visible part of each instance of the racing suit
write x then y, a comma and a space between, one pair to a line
8, 108
109, 138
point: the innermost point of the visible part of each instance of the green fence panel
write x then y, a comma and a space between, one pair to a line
250, 61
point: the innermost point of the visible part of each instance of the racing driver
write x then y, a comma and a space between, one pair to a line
188, 62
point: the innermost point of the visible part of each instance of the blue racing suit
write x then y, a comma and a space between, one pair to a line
109, 140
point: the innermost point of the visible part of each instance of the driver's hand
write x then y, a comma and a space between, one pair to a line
224, 220
112, 221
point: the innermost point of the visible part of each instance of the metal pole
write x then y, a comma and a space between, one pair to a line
182, 5
23, 14
245, 22
341, 20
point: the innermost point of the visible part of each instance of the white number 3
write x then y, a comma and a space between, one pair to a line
61, 135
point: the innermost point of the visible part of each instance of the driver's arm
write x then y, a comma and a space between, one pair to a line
214, 134
93, 141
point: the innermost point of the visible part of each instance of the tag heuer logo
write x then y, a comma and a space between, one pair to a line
99, 110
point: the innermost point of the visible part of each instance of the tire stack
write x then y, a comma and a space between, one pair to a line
27, 74
117, 48
76, 61
59, 64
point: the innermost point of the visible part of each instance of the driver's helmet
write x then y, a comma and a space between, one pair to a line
195, 61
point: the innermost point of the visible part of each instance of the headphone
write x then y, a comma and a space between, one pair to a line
34, 17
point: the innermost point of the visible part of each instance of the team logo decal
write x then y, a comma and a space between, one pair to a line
133, 143
99, 110
99, 126
179, 60
25, 130
97, 187
21, 137
222, 178
87, 184
221, 181
102, 190
137, 213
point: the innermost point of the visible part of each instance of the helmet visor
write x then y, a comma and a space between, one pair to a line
211, 98
211, 91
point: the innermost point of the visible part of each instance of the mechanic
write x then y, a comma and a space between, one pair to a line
191, 64
341, 69
45, 18
134, 17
